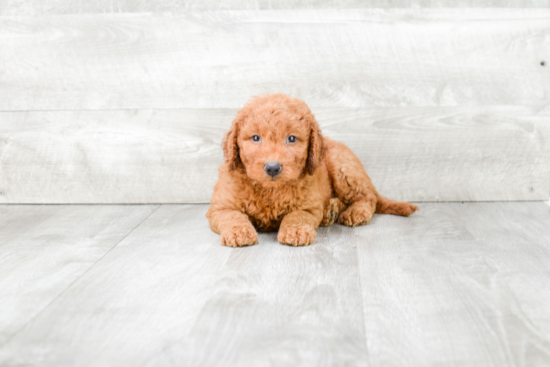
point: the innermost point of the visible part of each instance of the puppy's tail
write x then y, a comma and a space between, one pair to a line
389, 206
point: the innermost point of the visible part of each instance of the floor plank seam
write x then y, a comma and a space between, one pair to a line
8, 340
362, 301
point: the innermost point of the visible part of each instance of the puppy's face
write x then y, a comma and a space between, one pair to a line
273, 146
275, 139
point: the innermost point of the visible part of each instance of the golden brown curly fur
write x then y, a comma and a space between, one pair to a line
320, 181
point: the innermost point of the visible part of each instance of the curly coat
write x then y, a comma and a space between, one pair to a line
320, 182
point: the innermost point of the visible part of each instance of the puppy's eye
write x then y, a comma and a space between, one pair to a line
291, 139
256, 138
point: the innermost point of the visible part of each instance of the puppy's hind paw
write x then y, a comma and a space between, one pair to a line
357, 214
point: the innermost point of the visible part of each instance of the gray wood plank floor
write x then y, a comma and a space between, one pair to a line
43, 249
456, 284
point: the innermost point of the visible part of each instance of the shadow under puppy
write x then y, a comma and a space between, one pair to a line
281, 173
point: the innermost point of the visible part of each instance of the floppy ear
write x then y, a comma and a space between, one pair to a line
229, 144
316, 150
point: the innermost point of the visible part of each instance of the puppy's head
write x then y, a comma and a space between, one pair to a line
274, 139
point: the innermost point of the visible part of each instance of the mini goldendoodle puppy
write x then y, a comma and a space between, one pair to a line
281, 173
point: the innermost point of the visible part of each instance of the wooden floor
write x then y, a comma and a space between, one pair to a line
457, 284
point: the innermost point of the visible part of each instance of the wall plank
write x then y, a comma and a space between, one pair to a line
165, 156
218, 59
34, 7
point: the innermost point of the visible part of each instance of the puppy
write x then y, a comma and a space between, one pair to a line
281, 173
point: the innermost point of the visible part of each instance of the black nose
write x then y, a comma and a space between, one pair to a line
273, 168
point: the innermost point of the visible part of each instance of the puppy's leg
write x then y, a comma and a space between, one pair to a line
298, 228
333, 207
351, 184
234, 228
354, 188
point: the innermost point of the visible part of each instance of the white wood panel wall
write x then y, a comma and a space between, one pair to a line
32, 7
439, 103
164, 156
347, 58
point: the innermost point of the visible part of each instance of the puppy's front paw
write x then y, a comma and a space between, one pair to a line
355, 215
238, 236
296, 235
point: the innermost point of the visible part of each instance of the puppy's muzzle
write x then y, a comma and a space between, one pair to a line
273, 168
